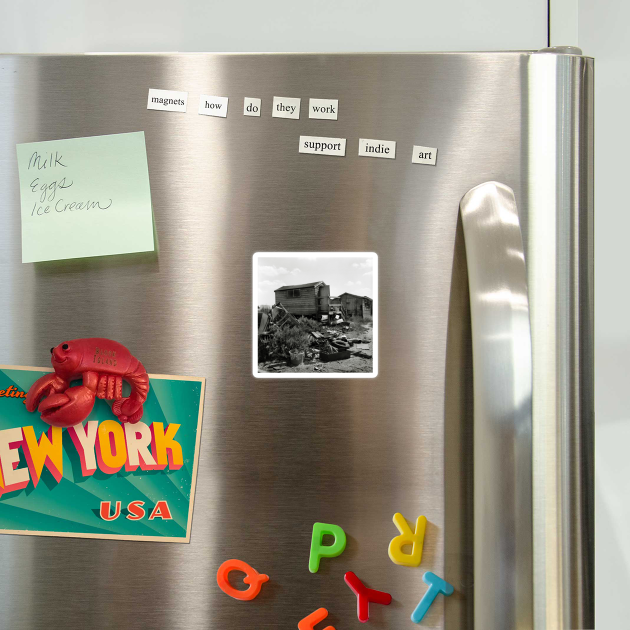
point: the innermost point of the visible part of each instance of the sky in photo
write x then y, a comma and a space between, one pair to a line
344, 275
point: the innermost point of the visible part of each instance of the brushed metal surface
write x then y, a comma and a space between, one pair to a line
502, 368
275, 455
560, 276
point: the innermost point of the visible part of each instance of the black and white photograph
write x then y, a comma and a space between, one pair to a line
315, 315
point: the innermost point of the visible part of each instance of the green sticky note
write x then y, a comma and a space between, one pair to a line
85, 197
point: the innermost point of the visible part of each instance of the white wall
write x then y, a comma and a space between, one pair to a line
270, 25
604, 27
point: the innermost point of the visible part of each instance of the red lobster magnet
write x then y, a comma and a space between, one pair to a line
103, 364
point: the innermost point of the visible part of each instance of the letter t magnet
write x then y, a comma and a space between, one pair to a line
407, 537
436, 586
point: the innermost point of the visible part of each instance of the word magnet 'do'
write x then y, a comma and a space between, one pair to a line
319, 551
252, 577
407, 537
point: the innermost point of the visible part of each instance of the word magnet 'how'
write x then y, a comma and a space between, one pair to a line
319, 551
365, 595
436, 586
309, 623
407, 537
252, 577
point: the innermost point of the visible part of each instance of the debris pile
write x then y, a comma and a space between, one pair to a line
284, 340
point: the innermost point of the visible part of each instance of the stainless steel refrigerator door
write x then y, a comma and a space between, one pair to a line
277, 455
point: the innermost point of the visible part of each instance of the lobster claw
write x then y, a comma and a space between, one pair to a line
68, 408
128, 410
43, 386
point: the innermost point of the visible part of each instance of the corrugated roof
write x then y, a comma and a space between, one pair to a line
299, 286
357, 296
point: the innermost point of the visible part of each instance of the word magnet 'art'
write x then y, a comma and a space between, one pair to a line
365, 596
98, 448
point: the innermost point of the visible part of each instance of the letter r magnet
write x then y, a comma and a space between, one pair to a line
407, 537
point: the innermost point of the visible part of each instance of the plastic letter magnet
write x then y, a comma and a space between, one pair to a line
319, 551
436, 586
308, 623
407, 537
365, 596
252, 577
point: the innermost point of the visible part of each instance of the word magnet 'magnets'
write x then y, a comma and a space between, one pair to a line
407, 537
319, 550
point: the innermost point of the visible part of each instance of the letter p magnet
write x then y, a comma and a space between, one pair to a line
319, 551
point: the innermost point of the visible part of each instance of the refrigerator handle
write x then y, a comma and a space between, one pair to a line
502, 374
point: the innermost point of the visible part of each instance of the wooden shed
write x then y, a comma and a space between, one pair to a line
307, 300
360, 305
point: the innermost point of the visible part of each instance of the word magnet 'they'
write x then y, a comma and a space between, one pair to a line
319, 550
407, 537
